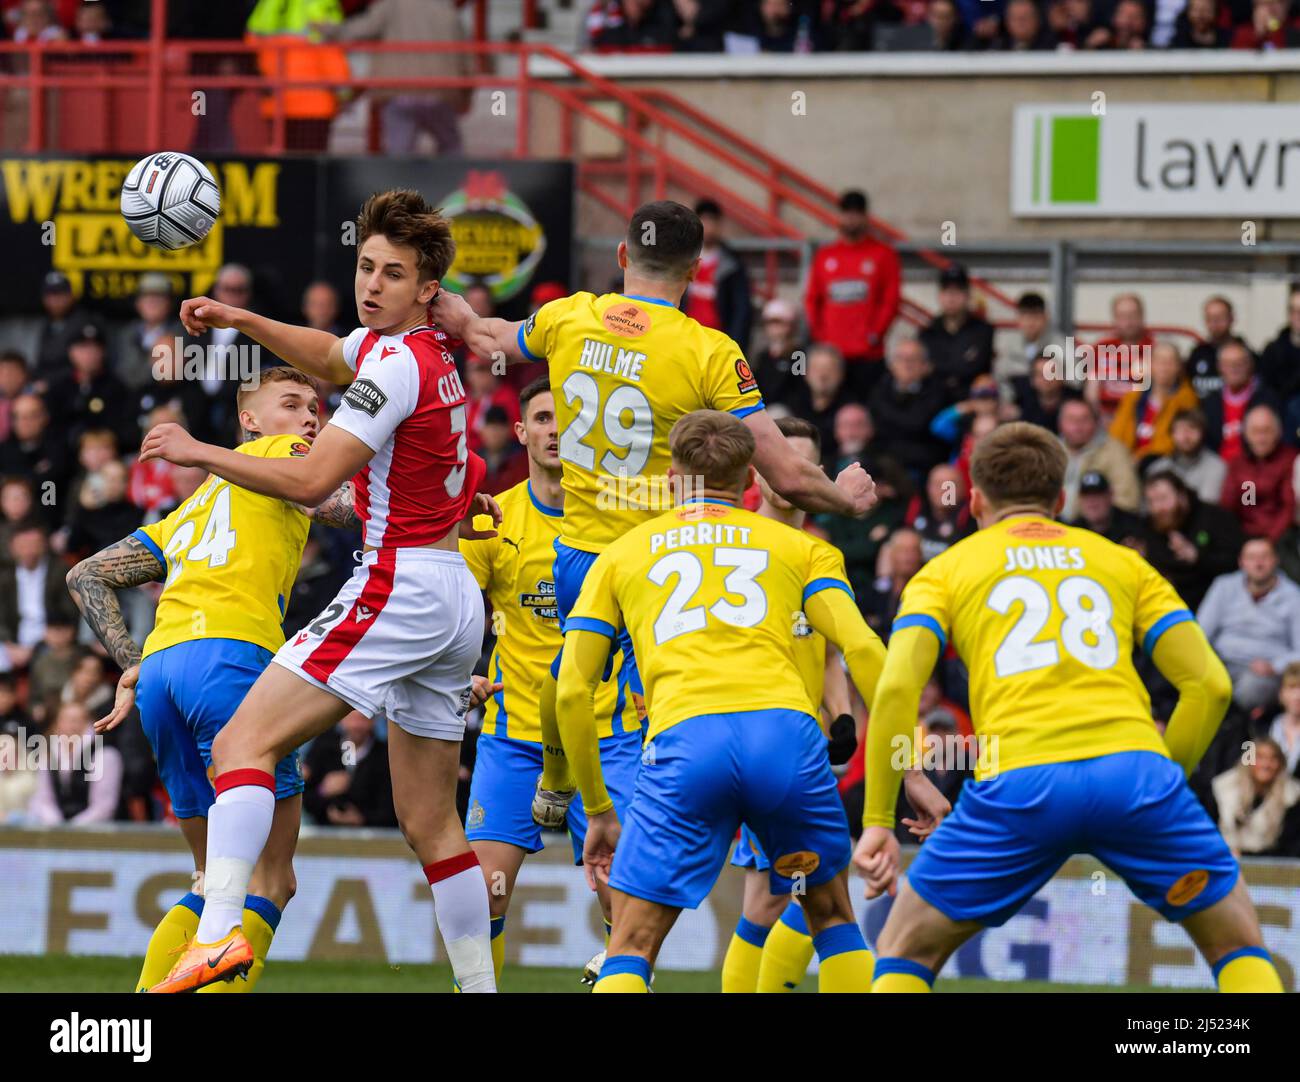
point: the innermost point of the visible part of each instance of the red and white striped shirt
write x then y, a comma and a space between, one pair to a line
407, 404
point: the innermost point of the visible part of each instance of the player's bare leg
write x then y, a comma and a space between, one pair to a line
1228, 937
917, 933
640, 927
500, 862
280, 712
424, 771
759, 905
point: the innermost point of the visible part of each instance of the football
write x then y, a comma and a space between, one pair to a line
170, 200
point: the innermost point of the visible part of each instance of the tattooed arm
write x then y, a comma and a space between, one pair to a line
93, 584
338, 510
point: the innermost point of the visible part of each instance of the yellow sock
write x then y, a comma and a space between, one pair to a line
1249, 969
624, 973
498, 931
178, 926
555, 765
787, 952
845, 962
740, 966
261, 918
901, 975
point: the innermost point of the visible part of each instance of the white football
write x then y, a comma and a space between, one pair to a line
170, 200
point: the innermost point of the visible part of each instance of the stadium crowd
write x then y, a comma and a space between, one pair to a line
1191, 460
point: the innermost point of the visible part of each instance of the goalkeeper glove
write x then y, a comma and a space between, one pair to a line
843, 739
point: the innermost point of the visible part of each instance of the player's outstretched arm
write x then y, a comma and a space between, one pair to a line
318, 353
93, 584
487, 338
1185, 658
581, 668
334, 457
853, 493
338, 510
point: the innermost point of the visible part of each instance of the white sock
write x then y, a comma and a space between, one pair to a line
460, 905
238, 825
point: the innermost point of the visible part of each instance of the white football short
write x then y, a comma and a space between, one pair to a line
400, 639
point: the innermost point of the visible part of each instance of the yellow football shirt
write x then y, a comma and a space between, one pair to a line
624, 369
231, 558
1045, 617
712, 596
514, 570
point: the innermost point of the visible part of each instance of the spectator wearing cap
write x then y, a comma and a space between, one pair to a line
781, 360
64, 320
1242, 390
1038, 397
718, 295
1190, 542
1259, 487
156, 322
14, 380
91, 396
1128, 342
1034, 333
1252, 618
32, 593
852, 295
37, 453
959, 342
1144, 417
1202, 470
1090, 449
1203, 361
1098, 513
904, 404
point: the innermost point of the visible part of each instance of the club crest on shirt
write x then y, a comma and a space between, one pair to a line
365, 396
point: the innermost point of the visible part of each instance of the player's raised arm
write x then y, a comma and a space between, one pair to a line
487, 338
852, 494
318, 353
334, 457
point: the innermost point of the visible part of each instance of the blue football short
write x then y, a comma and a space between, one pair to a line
1132, 810
505, 777
185, 694
570, 569
703, 777
748, 853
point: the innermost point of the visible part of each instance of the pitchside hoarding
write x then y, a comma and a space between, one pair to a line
1123, 160
289, 220
362, 896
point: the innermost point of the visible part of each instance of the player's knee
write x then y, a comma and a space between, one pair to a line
233, 748
826, 905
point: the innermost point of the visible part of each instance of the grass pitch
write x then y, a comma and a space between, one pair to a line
73, 973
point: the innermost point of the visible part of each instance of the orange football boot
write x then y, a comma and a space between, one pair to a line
202, 964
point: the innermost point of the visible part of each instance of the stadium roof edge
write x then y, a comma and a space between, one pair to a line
916, 65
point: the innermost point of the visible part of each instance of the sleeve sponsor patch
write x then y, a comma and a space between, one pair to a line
365, 396
529, 324
745, 381
300, 450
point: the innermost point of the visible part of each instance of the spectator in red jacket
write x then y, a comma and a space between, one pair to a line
1271, 26
1258, 488
852, 295
1127, 348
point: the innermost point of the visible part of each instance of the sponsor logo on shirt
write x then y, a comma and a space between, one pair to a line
299, 450
626, 320
363, 395
745, 381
